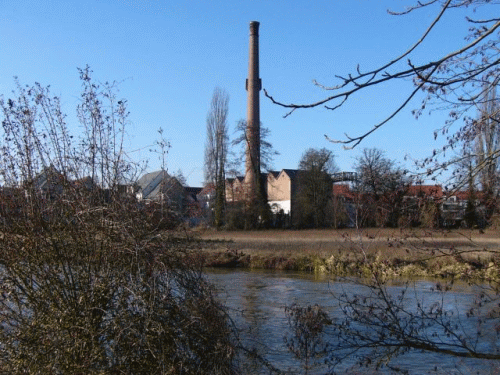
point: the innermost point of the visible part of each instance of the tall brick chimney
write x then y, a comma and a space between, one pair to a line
253, 86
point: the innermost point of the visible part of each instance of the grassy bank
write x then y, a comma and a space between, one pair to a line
396, 253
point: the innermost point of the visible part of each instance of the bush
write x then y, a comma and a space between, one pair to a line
84, 299
90, 281
306, 341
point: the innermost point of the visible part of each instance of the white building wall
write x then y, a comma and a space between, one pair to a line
281, 205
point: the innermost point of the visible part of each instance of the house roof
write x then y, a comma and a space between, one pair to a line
208, 189
340, 189
48, 178
193, 190
292, 173
343, 190
232, 181
275, 174
463, 195
85, 182
429, 191
151, 184
148, 178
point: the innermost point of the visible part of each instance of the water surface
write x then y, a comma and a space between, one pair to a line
256, 300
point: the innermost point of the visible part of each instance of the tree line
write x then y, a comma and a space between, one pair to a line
381, 196
225, 158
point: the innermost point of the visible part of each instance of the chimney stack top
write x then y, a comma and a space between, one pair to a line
254, 28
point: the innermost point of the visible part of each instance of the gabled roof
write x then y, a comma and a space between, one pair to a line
463, 195
149, 178
292, 173
207, 190
193, 190
48, 178
85, 182
233, 180
191, 193
151, 184
265, 175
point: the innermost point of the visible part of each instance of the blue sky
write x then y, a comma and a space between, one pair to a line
170, 55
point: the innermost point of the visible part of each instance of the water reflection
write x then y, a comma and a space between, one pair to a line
257, 300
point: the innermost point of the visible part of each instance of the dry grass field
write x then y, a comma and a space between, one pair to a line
432, 250
334, 240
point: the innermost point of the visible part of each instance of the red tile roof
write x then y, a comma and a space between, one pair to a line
429, 191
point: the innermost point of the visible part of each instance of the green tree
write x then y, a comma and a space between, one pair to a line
313, 196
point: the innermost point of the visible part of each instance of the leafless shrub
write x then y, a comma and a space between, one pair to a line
90, 281
306, 342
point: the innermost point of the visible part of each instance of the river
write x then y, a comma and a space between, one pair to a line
256, 300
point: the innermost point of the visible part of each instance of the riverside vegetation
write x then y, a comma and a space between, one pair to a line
397, 253
376, 325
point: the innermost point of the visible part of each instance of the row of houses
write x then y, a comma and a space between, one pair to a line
193, 203
282, 185
50, 185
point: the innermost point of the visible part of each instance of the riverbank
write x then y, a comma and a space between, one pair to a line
394, 252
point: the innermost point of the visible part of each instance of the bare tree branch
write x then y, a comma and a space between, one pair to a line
434, 77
